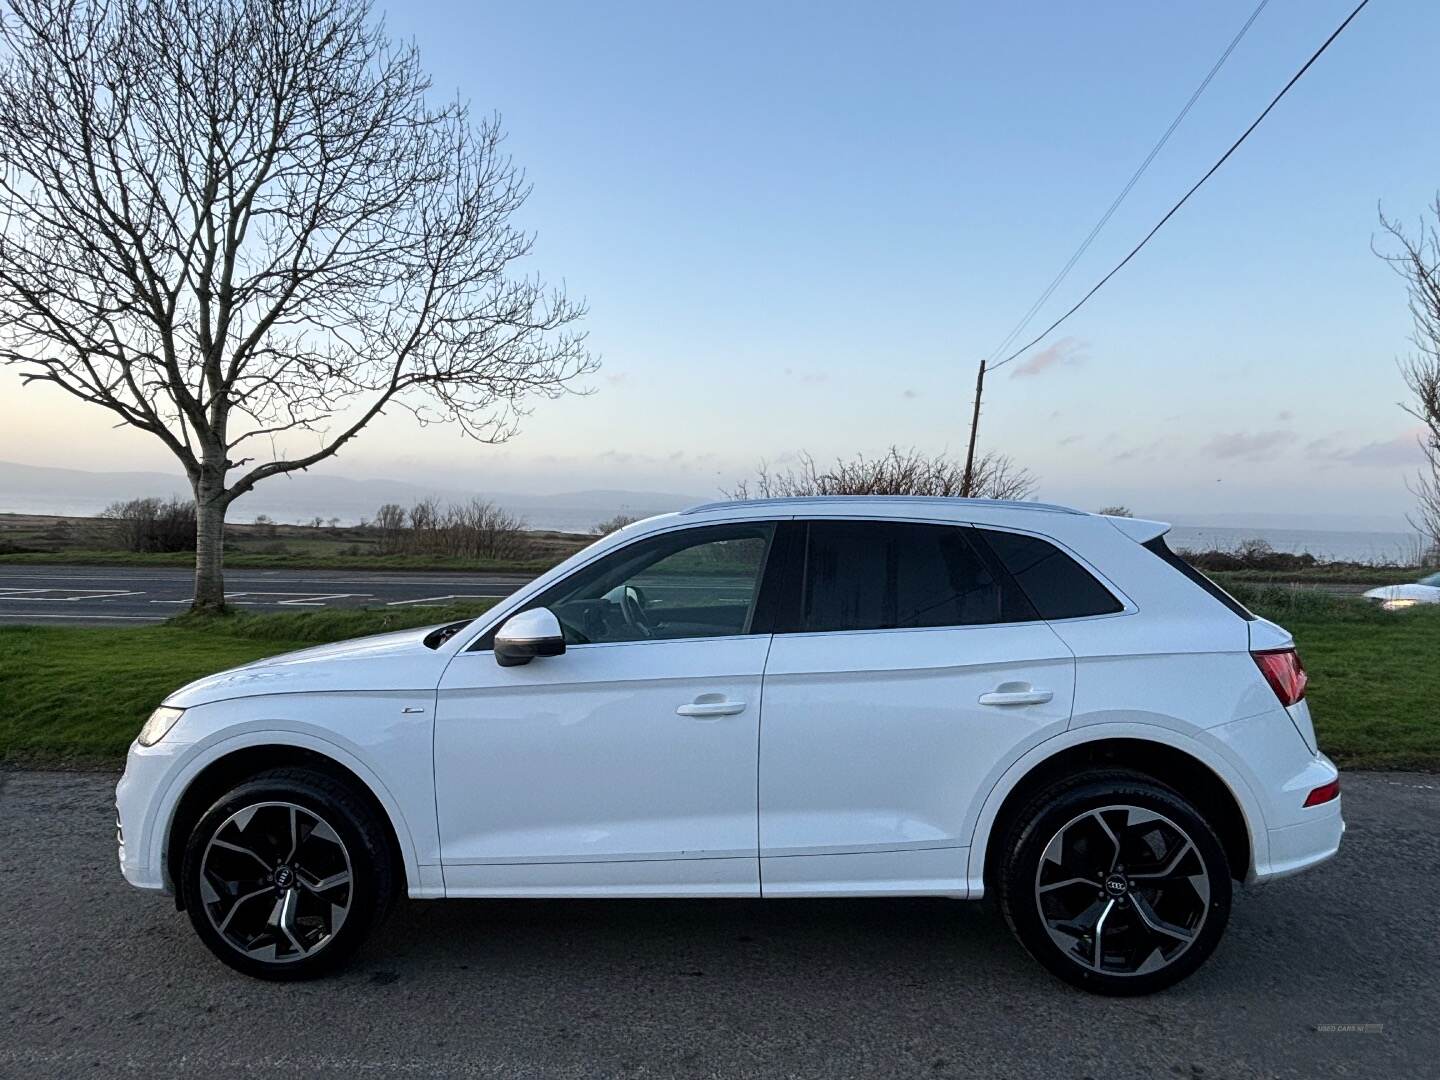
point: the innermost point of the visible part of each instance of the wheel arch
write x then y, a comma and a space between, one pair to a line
1187, 772
232, 766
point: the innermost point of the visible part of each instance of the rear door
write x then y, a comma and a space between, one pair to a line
908, 673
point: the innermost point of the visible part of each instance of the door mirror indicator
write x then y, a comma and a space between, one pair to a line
527, 635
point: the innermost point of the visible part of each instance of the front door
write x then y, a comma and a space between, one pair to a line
911, 672
627, 765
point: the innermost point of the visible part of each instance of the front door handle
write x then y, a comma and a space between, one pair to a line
711, 705
1016, 694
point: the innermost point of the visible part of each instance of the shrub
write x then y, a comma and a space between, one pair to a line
895, 472
151, 524
614, 524
477, 529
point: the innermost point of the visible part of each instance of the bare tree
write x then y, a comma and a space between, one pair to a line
477, 529
1115, 511
1417, 261
245, 227
146, 525
390, 524
613, 524
895, 472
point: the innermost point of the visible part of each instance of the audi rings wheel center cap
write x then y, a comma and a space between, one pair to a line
1115, 885
284, 877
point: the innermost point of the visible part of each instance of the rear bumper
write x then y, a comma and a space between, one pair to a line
1295, 848
1300, 836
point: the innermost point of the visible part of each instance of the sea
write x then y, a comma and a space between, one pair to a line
1374, 548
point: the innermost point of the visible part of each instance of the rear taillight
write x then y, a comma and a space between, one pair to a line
1284, 672
1324, 793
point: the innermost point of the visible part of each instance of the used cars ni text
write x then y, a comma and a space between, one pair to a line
821, 697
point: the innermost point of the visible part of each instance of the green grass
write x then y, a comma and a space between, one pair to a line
1374, 675
1368, 576
293, 560
77, 696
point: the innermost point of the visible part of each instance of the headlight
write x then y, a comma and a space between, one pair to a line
160, 722
1399, 604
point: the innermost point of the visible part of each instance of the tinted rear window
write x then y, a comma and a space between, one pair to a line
1162, 549
1057, 586
875, 575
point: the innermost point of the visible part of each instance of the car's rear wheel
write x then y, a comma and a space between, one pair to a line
286, 874
1115, 883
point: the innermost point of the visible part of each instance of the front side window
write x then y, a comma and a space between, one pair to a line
881, 575
693, 583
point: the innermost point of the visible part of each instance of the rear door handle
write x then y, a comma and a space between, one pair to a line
703, 708
1016, 694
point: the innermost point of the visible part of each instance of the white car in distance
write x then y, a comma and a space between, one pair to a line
772, 699
1400, 597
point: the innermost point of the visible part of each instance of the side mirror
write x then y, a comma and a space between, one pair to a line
527, 635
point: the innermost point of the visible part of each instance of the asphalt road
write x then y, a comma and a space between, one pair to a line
1333, 973
137, 595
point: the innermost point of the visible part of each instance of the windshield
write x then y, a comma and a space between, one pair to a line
1433, 580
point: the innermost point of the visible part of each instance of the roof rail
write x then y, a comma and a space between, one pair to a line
832, 500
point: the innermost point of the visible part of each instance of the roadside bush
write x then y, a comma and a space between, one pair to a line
390, 525
1254, 554
477, 529
614, 524
895, 472
152, 524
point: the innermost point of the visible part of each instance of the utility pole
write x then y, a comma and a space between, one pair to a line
967, 483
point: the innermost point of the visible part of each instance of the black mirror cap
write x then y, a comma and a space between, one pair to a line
513, 653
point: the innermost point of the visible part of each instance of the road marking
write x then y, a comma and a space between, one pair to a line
39, 615
298, 599
447, 596
9, 593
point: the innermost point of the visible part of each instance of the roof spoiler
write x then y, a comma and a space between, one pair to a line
1138, 529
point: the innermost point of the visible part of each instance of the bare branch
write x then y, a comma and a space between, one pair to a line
895, 472
226, 220
1415, 256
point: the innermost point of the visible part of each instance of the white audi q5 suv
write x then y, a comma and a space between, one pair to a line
784, 698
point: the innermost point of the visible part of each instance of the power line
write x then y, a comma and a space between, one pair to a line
1186, 198
1134, 178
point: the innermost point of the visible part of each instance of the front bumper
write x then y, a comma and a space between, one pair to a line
146, 769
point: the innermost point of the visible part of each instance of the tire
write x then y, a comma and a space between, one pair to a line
1075, 905
287, 873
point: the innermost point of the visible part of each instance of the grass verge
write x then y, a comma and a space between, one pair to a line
295, 560
77, 696
1340, 574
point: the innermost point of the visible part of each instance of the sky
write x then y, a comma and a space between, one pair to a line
799, 225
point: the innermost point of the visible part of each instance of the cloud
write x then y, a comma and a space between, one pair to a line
910, 395
1066, 352
1148, 452
1284, 416
1399, 452
808, 376
1068, 439
1243, 446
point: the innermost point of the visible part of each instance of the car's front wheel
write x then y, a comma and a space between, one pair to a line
286, 874
1115, 883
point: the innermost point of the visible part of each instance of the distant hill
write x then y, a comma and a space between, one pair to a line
39, 489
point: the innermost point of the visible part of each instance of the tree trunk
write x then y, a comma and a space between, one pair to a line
209, 552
